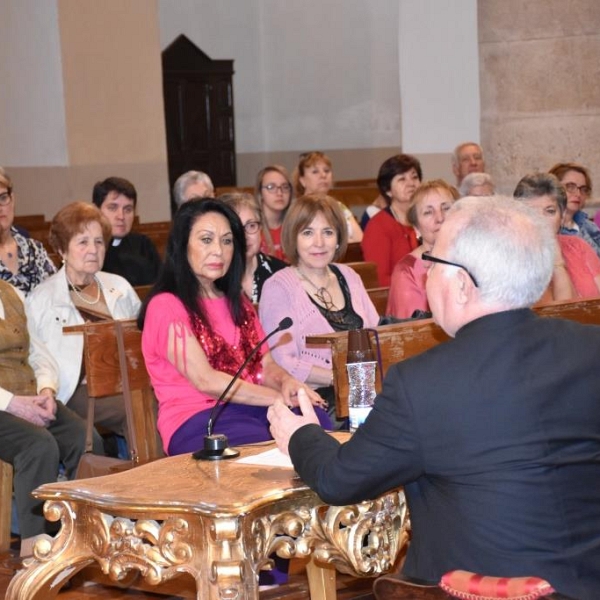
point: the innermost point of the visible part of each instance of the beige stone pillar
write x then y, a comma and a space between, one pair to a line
540, 98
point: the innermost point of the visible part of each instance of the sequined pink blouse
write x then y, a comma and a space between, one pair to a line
178, 399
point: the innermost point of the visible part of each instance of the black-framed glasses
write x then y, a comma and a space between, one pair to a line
283, 188
5, 198
252, 226
441, 261
572, 188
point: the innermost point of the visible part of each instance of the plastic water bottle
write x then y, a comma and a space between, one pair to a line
362, 370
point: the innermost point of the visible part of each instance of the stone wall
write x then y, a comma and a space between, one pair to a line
540, 99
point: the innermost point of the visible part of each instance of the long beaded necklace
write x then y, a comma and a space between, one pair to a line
78, 293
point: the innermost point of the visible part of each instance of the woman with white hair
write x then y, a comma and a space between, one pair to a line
192, 184
477, 184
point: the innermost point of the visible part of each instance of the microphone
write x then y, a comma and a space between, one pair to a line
216, 447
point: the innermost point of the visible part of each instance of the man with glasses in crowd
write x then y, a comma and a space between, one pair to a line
495, 435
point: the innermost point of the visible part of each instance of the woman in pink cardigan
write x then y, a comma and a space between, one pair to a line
319, 295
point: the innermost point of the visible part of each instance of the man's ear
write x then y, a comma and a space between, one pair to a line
464, 287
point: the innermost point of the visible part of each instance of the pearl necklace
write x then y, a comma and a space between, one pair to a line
80, 295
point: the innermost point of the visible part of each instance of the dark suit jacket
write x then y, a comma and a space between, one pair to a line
496, 437
135, 258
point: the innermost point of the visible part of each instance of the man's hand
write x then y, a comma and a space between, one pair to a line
284, 422
50, 401
38, 410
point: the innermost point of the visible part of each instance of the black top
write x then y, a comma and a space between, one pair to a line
135, 258
346, 318
495, 436
267, 265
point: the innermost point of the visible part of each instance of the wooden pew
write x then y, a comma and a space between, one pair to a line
232, 189
6, 492
379, 297
369, 182
353, 253
142, 291
355, 196
403, 340
367, 272
104, 378
158, 232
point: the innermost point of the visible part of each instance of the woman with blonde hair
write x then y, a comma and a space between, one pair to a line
273, 192
314, 175
426, 213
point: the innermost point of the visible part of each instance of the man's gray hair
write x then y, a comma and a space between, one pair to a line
187, 179
455, 154
473, 180
507, 246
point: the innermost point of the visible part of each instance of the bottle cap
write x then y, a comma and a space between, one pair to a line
359, 346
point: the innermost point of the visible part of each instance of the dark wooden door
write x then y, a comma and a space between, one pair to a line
198, 96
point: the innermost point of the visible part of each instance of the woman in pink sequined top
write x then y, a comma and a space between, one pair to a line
198, 328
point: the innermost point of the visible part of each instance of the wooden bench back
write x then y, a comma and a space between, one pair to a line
379, 297
103, 372
353, 253
6, 492
403, 340
367, 272
352, 197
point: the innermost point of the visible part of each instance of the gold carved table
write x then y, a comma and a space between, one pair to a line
217, 521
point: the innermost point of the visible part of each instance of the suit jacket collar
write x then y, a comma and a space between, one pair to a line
497, 321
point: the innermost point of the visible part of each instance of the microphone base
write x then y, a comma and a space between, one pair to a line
216, 447
209, 455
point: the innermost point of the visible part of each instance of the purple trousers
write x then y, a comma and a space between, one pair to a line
241, 423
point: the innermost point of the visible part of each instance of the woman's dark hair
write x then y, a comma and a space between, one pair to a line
536, 185
396, 165
176, 275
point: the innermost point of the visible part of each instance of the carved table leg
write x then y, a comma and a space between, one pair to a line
321, 581
43, 577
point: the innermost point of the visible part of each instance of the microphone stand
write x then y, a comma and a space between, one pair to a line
216, 446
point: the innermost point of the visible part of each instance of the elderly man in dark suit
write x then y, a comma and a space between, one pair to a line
495, 435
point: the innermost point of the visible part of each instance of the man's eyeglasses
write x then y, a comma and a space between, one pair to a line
252, 226
441, 261
5, 198
572, 188
283, 188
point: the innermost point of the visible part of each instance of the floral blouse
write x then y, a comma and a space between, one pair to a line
34, 264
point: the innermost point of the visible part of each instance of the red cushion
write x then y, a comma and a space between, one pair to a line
470, 586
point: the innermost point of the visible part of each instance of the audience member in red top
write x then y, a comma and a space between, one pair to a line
576, 266
389, 236
426, 213
273, 193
